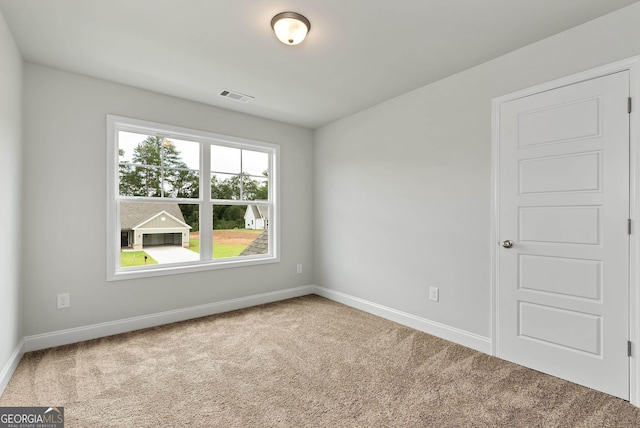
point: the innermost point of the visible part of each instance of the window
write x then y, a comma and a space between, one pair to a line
182, 200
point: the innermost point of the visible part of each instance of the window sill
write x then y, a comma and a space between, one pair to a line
182, 268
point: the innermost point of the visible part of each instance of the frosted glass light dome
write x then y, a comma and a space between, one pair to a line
291, 28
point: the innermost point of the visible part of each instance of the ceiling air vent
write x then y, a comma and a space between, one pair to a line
235, 96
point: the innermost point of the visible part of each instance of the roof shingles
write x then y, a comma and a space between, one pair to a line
134, 213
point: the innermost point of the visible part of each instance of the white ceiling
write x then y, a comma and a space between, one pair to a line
357, 54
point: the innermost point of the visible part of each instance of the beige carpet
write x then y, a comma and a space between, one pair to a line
304, 362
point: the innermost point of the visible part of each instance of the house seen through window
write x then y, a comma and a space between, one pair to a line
185, 199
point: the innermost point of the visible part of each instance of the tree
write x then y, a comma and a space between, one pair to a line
128, 182
191, 215
239, 187
244, 187
228, 216
262, 193
221, 189
157, 170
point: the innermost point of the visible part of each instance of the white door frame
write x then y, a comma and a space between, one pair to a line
633, 65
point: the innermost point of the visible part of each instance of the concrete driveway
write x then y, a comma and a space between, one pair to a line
171, 254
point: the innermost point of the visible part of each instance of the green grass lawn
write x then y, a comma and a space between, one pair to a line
194, 245
135, 258
221, 251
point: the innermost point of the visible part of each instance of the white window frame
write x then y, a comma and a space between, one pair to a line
206, 140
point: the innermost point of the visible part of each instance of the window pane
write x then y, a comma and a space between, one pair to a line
239, 187
255, 163
131, 146
180, 183
240, 230
140, 181
225, 186
154, 166
233, 179
158, 233
188, 153
255, 188
255, 169
225, 159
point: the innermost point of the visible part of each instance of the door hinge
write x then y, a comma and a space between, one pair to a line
628, 226
628, 348
629, 105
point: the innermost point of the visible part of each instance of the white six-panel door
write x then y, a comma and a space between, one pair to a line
563, 258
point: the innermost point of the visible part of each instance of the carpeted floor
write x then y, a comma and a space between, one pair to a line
304, 362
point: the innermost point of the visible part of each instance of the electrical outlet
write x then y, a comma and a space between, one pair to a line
434, 294
64, 300
299, 268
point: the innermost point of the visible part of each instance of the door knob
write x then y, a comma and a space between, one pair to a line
507, 244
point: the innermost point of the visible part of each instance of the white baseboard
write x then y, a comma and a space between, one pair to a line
94, 331
11, 365
452, 334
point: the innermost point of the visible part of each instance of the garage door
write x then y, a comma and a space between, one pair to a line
162, 239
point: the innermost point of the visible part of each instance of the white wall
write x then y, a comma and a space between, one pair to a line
65, 184
402, 190
10, 177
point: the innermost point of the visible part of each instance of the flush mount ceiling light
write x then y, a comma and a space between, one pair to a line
291, 28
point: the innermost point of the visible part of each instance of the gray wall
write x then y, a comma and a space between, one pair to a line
64, 189
10, 177
403, 190
400, 192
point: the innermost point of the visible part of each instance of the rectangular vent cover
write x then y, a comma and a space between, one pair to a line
235, 96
